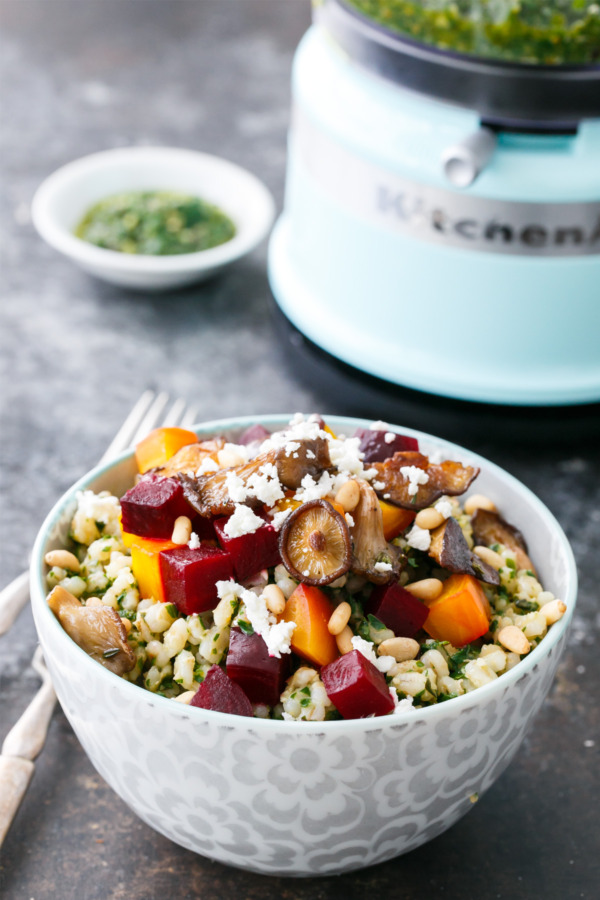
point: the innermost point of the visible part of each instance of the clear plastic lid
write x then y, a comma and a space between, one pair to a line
539, 32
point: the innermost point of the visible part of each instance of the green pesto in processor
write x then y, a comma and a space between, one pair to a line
542, 32
155, 223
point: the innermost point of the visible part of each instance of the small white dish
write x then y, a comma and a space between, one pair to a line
62, 200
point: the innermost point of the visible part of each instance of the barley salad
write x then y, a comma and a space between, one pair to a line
299, 575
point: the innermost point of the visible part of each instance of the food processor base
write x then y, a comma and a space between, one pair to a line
349, 391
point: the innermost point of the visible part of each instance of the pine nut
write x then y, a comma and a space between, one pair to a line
429, 519
490, 557
229, 457
182, 530
339, 618
62, 558
186, 697
553, 611
401, 648
426, 589
479, 501
274, 598
348, 495
514, 640
344, 640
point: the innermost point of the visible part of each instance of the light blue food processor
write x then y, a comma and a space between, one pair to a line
441, 228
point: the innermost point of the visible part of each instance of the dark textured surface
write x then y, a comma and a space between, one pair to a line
213, 74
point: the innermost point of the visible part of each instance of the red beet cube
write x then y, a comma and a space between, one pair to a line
189, 576
150, 508
220, 693
397, 609
261, 677
375, 447
356, 687
254, 435
204, 528
250, 552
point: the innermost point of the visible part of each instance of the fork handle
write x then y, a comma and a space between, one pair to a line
15, 775
12, 600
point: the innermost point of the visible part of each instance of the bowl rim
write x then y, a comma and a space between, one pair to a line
414, 716
61, 239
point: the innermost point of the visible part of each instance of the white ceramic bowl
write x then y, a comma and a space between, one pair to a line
63, 199
304, 798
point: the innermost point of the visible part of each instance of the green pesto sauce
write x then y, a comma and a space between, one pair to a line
155, 223
548, 32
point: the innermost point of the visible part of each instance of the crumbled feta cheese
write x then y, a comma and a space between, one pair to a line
207, 466
237, 490
278, 638
194, 541
383, 567
276, 635
385, 663
242, 521
444, 507
419, 538
349, 520
347, 457
291, 447
379, 426
390, 437
279, 518
415, 476
315, 490
378, 485
365, 647
403, 705
382, 663
310, 454
265, 485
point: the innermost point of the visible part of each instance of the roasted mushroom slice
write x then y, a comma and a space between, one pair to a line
409, 480
210, 495
372, 556
489, 528
314, 543
190, 458
96, 629
301, 458
450, 550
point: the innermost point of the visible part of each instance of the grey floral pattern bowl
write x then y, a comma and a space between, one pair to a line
302, 798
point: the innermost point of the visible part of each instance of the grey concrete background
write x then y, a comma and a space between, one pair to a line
84, 75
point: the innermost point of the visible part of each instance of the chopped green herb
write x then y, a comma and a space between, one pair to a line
376, 623
530, 573
155, 223
306, 701
412, 562
305, 690
172, 610
441, 698
363, 630
246, 627
527, 605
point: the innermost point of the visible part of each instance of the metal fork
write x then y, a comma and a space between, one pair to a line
27, 737
145, 415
